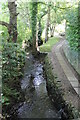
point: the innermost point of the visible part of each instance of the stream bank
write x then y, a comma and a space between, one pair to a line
56, 92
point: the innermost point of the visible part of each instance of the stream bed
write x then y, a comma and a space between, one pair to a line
37, 103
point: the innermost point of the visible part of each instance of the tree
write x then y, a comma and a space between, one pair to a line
47, 24
41, 13
12, 25
33, 23
52, 22
13, 21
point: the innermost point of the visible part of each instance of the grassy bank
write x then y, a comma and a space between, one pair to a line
46, 47
56, 93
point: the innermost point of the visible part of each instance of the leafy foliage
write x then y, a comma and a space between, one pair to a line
72, 28
13, 62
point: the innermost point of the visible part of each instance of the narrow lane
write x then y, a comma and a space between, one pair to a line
68, 72
57, 59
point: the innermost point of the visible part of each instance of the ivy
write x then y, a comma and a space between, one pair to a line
72, 28
34, 22
12, 64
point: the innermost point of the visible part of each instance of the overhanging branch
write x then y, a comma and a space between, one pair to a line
4, 24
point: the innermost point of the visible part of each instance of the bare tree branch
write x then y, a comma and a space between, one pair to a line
4, 24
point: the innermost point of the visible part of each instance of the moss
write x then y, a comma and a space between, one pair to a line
52, 84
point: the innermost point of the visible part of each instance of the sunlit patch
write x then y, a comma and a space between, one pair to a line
27, 57
27, 53
38, 80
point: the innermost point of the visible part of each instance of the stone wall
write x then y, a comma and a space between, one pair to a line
72, 56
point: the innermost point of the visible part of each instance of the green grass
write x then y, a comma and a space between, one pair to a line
46, 47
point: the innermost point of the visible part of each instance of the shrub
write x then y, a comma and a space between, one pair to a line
12, 64
72, 34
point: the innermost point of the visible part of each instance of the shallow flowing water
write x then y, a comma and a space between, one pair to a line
37, 102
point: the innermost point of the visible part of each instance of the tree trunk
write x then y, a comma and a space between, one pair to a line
12, 25
34, 22
37, 46
47, 24
13, 21
40, 42
52, 29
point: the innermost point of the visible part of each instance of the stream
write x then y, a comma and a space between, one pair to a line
37, 103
